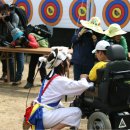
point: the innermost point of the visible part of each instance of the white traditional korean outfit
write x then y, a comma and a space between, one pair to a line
57, 88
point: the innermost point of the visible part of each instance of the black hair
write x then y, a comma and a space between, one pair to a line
60, 69
52, 56
6, 7
103, 51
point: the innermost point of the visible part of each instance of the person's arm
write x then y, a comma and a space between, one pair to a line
77, 36
124, 45
9, 26
13, 23
15, 20
93, 72
67, 86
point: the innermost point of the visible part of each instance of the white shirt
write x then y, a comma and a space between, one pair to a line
61, 86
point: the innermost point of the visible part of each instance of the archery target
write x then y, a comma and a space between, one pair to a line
50, 11
27, 6
78, 10
116, 11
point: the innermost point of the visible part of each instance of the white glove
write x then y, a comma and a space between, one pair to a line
41, 60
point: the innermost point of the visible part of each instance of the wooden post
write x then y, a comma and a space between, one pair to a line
8, 68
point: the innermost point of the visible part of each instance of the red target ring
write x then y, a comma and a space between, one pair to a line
116, 11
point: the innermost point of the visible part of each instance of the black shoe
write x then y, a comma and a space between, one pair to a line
28, 85
73, 128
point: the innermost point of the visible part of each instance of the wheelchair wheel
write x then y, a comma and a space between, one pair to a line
98, 121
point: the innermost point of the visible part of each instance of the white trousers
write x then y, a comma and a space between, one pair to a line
70, 116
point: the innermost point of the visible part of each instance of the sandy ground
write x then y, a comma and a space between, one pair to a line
13, 102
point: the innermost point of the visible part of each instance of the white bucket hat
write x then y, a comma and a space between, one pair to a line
114, 30
93, 24
101, 46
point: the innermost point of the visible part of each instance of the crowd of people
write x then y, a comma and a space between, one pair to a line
12, 32
89, 44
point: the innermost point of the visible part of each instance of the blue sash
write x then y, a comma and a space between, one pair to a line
36, 118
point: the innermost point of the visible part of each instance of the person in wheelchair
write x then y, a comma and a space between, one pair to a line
105, 110
100, 52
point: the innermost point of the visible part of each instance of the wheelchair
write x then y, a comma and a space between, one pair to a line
107, 104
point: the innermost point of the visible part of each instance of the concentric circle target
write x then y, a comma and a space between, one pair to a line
50, 11
78, 10
27, 6
116, 11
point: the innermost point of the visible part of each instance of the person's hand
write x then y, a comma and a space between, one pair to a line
83, 76
83, 30
12, 45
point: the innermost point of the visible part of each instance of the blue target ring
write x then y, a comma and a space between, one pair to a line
116, 11
77, 11
110, 6
50, 11
75, 16
27, 6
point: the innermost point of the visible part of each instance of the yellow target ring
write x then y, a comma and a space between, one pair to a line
82, 11
50, 10
22, 7
116, 13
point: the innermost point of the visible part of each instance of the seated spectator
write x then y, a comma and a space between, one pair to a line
100, 52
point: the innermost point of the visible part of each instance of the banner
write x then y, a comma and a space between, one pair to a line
68, 13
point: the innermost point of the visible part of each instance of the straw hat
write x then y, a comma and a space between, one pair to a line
93, 24
114, 30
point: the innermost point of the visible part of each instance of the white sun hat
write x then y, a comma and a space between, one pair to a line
114, 30
101, 46
93, 24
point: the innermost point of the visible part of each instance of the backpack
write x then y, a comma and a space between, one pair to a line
22, 15
43, 42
